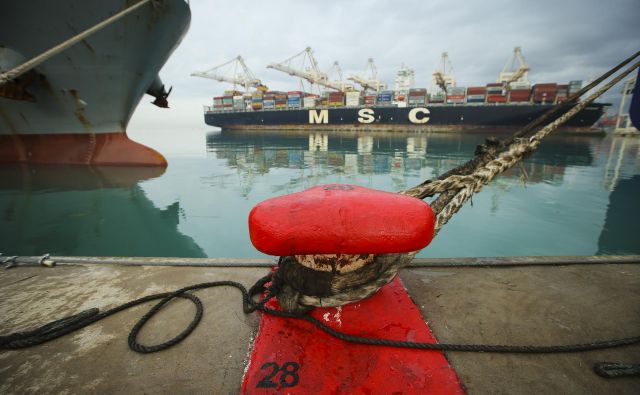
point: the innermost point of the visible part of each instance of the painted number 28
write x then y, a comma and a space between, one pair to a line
288, 378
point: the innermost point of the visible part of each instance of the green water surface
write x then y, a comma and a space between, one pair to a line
578, 195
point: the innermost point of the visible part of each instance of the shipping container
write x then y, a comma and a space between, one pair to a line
456, 90
544, 97
476, 98
353, 99
496, 99
519, 95
520, 85
476, 90
309, 102
545, 86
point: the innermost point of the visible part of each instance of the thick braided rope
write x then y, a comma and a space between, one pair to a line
293, 299
30, 64
468, 185
355, 295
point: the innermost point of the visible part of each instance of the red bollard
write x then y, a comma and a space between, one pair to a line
339, 230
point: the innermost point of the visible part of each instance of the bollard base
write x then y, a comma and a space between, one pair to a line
293, 356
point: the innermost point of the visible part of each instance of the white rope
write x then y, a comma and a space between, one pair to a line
30, 64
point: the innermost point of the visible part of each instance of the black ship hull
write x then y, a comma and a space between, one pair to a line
433, 118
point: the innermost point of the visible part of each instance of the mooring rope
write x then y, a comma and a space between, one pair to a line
468, 185
30, 64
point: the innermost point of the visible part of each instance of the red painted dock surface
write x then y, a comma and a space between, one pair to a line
294, 357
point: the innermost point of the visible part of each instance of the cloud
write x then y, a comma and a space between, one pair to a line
561, 40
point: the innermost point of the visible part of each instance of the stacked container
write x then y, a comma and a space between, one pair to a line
217, 103
455, 94
269, 101
280, 100
417, 97
294, 99
496, 93
352, 99
238, 102
437, 98
370, 99
256, 101
519, 95
385, 98
544, 93
227, 103
520, 85
335, 99
310, 100
574, 86
476, 94
562, 93
246, 98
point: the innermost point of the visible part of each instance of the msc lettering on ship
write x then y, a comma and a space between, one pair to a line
416, 115
316, 116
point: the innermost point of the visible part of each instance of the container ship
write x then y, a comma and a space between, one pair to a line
75, 106
510, 102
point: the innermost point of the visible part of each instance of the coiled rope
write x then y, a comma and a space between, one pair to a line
269, 286
32, 63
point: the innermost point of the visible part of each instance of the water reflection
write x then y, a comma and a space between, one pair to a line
400, 155
621, 231
576, 196
77, 210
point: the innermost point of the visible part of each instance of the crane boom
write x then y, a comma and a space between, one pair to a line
313, 74
244, 78
510, 73
443, 76
370, 81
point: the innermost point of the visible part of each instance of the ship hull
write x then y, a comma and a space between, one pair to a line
431, 118
84, 97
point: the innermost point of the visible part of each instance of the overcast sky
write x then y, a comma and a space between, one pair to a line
561, 40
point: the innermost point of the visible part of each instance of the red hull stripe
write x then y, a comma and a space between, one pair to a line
292, 356
78, 149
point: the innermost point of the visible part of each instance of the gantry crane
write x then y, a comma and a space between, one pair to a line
337, 70
443, 77
370, 80
311, 73
241, 75
512, 74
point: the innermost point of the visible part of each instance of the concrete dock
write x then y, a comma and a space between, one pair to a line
523, 304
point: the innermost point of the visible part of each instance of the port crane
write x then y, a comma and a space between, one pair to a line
311, 73
337, 70
511, 73
241, 75
370, 81
443, 77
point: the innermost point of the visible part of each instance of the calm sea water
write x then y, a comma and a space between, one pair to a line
577, 196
